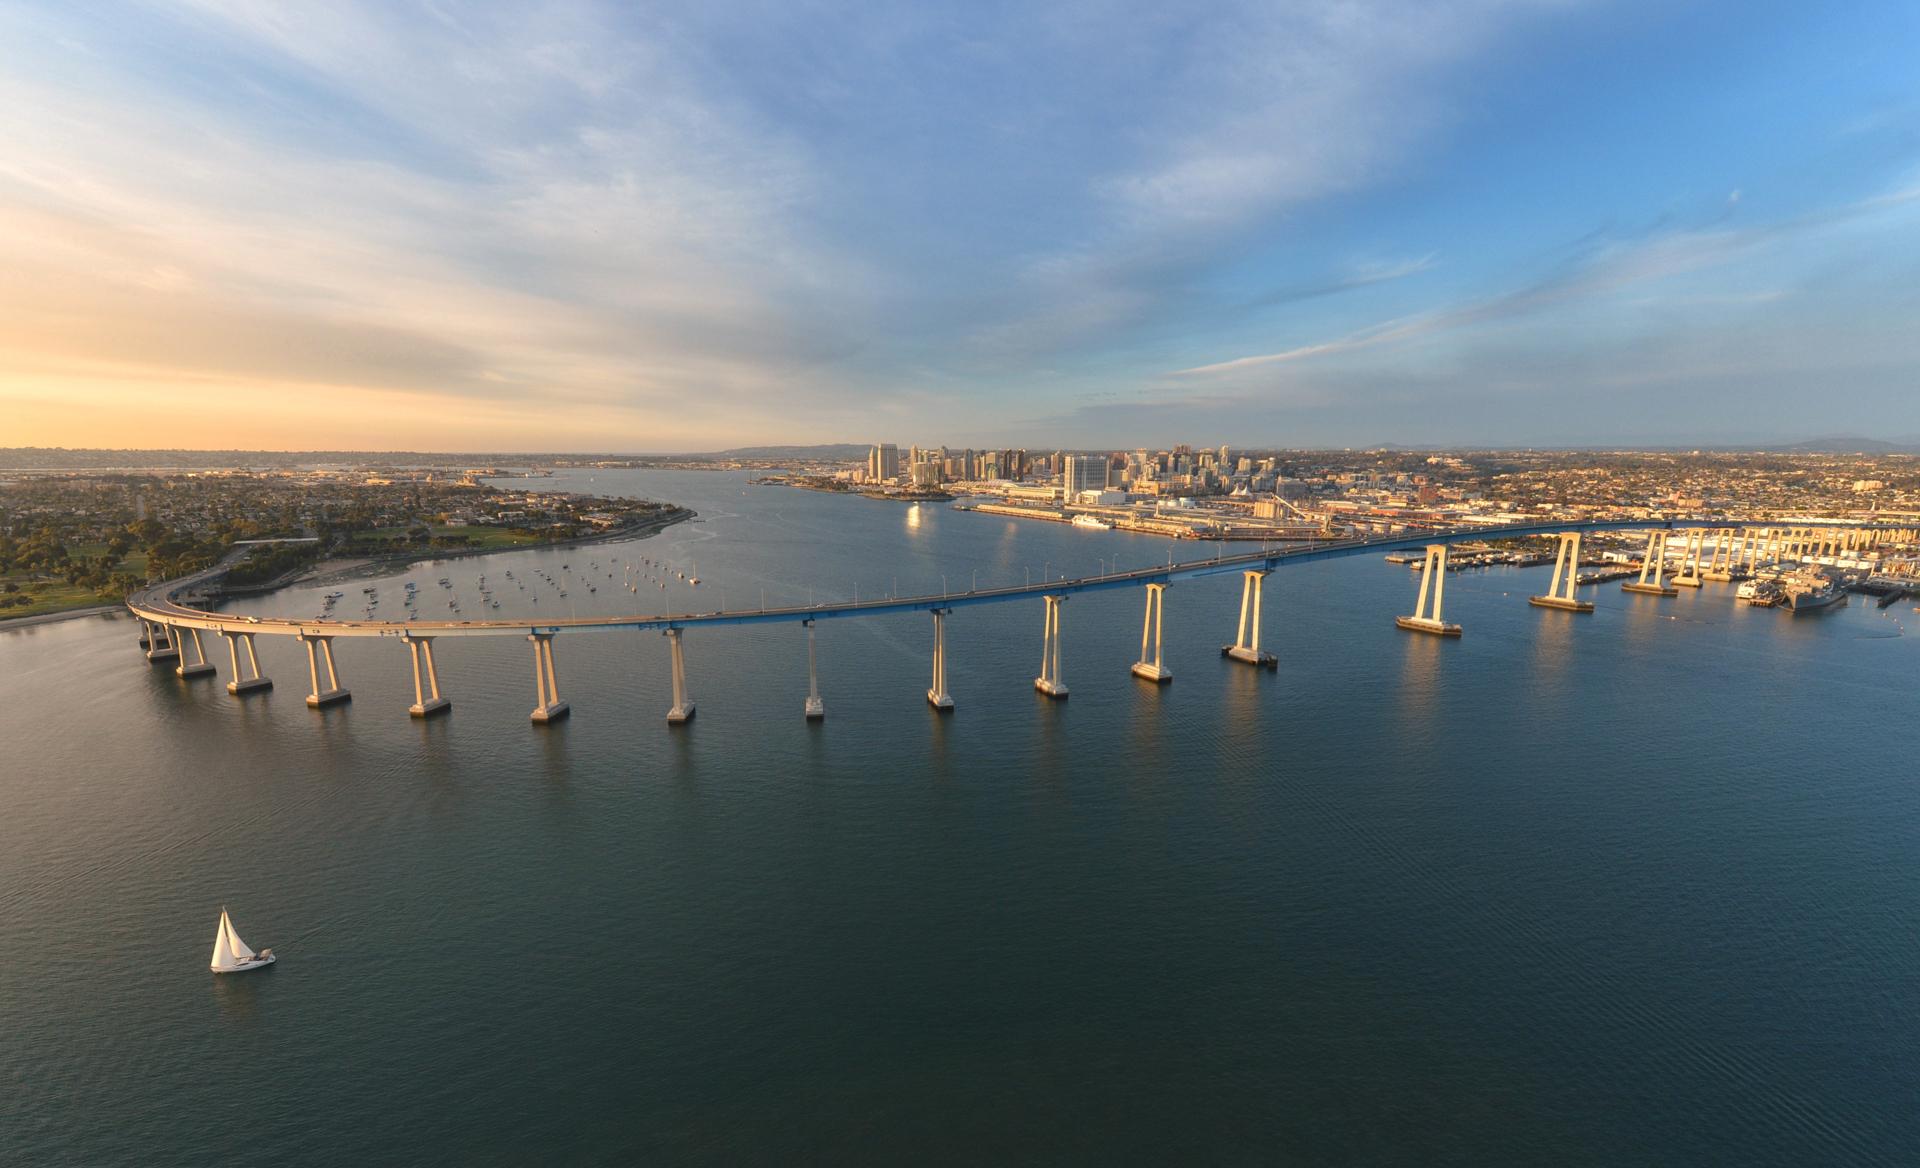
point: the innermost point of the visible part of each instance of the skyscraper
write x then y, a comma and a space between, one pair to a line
883, 463
1084, 474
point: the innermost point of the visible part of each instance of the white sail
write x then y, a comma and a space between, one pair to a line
222, 956
234, 942
229, 951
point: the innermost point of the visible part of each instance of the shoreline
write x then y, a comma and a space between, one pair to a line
917, 496
370, 567
110, 611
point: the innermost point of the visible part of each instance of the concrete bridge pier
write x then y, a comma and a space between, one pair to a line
1689, 574
321, 647
196, 663
1566, 570
937, 695
682, 710
1150, 629
1433, 581
815, 708
546, 685
241, 683
160, 643
1654, 565
426, 695
1050, 682
1246, 647
1729, 549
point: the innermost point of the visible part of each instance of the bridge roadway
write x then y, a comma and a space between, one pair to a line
158, 604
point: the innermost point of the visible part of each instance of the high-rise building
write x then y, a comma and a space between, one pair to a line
1083, 474
883, 463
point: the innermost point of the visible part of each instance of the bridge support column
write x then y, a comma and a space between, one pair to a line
319, 648
937, 695
1150, 630
242, 683
426, 685
682, 710
1689, 574
1724, 565
1433, 581
546, 685
1655, 566
1246, 647
160, 643
1050, 682
198, 665
1566, 571
816, 709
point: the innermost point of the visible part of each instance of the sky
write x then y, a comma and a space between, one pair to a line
660, 227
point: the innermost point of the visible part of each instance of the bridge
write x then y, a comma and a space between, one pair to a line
171, 627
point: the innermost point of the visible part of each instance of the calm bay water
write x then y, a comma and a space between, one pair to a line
1632, 888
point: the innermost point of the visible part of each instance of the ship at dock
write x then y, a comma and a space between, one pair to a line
1809, 592
1091, 523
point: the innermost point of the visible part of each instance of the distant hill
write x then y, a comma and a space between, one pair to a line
832, 452
1848, 445
63, 458
1840, 445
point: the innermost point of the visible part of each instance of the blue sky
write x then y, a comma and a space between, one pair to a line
583, 226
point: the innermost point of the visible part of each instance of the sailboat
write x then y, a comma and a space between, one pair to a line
230, 953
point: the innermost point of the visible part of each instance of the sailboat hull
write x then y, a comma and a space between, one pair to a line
244, 966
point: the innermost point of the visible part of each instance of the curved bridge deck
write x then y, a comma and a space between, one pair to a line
158, 605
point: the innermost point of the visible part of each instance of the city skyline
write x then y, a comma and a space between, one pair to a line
576, 228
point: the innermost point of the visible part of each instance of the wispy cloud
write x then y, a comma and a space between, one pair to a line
1601, 267
1266, 111
566, 218
1363, 275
